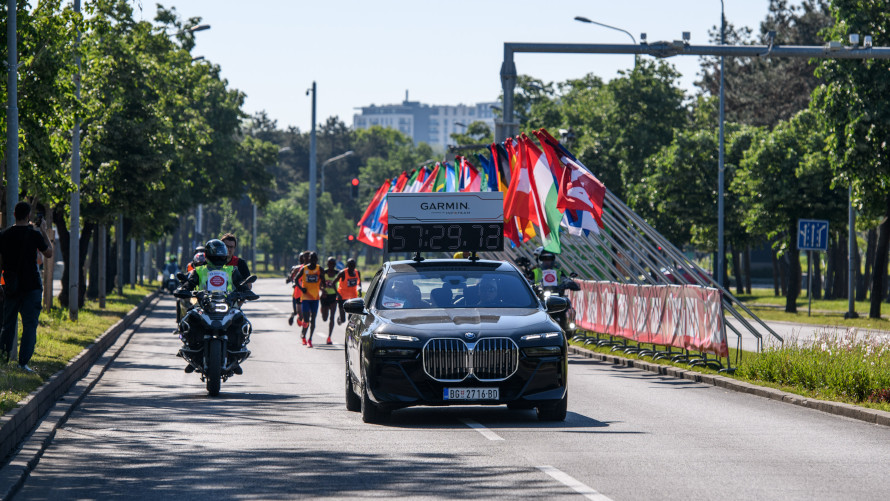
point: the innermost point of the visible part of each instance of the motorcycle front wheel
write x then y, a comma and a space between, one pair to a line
213, 373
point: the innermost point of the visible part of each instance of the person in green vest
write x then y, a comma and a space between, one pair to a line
546, 275
217, 276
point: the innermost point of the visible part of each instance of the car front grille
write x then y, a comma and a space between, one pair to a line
489, 359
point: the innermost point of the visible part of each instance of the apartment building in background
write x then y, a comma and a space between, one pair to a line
432, 124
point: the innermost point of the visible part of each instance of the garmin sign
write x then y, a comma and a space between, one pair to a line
424, 208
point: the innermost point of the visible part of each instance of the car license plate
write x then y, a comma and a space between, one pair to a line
471, 394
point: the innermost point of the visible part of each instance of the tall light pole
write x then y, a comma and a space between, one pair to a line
310, 244
586, 20
12, 115
74, 228
330, 161
721, 252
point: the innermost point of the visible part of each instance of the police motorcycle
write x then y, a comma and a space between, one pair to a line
171, 283
553, 282
214, 331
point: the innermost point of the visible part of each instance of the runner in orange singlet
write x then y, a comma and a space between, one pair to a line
349, 284
309, 280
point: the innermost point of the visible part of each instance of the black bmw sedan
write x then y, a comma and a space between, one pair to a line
454, 332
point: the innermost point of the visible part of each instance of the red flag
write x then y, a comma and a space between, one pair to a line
400, 183
368, 236
578, 188
427, 186
553, 160
518, 201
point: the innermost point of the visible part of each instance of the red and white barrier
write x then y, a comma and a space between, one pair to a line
687, 317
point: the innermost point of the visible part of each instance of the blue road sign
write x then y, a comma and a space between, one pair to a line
812, 234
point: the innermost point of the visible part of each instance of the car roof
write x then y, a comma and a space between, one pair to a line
447, 264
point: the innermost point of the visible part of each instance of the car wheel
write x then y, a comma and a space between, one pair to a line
353, 402
371, 412
555, 411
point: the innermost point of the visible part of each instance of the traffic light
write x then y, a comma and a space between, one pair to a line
350, 239
355, 187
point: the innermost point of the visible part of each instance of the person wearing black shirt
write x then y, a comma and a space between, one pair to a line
22, 290
231, 243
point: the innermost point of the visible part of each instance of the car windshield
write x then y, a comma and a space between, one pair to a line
455, 289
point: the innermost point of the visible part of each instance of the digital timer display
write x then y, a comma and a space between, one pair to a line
445, 237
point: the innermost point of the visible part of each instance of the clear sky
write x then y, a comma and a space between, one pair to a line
447, 52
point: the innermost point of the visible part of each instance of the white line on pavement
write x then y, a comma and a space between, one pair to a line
569, 481
481, 429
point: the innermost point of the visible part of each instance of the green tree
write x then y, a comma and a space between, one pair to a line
785, 177
852, 103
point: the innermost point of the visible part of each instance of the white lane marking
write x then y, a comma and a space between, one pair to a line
481, 429
576, 485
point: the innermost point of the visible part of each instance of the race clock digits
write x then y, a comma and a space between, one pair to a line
445, 237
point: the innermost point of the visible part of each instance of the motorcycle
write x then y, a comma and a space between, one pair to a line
215, 333
565, 319
171, 283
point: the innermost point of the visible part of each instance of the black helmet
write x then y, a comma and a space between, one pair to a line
216, 252
547, 255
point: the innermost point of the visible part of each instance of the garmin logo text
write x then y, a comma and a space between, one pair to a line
444, 206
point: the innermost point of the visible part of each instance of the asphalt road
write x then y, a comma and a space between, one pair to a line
148, 430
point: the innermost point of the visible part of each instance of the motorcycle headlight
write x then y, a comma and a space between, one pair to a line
543, 335
571, 325
394, 337
220, 307
547, 294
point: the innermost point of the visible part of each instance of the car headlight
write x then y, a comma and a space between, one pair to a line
396, 352
394, 337
543, 335
542, 351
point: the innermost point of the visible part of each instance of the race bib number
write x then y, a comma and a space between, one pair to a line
549, 277
312, 279
351, 282
217, 281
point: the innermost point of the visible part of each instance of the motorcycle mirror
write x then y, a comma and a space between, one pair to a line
249, 280
573, 275
182, 294
181, 277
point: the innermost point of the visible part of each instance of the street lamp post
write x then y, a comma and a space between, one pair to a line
330, 161
721, 252
586, 20
312, 176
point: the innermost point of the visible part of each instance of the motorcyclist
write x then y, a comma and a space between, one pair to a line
171, 266
217, 276
199, 259
546, 274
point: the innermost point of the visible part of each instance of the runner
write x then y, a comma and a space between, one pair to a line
309, 282
329, 296
297, 292
349, 285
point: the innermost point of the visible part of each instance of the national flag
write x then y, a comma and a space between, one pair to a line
401, 182
368, 236
451, 180
490, 182
545, 194
579, 189
375, 202
412, 181
579, 222
501, 160
427, 186
470, 180
518, 203
441, 175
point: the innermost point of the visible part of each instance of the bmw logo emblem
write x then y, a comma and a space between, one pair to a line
470, 335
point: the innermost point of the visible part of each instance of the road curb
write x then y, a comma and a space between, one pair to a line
40, 409
838, 408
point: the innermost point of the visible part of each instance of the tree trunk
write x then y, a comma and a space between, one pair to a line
817, 276
777, 275
840, 270
65, 241
783, 273
93, 287
737, 269
830, 268
880, 270
747, 267
871, 242
857, 271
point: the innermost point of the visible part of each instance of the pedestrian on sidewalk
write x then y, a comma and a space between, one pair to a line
22, 289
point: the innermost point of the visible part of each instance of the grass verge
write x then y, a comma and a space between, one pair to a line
59, 340
838, 366
766, 305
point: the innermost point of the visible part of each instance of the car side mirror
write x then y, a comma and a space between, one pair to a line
556, 304
355, 306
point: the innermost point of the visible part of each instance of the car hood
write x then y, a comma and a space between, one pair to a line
460, 320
